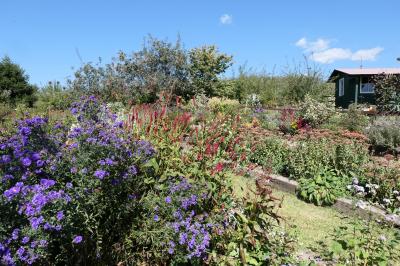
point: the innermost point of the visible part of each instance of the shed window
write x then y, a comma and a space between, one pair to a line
341, 87
367, 88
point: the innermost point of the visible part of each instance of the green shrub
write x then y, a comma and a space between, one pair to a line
387, 89
323, 188
315, 112
225, 106
308, 157
354, 119
384, 133
271, 154
54, 97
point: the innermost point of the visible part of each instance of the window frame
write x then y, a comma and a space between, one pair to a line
341, 87
367, 92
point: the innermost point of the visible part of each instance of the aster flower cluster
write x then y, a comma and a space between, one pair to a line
46, 171
27, 187
191, 226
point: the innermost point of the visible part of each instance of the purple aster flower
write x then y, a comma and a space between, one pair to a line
168, 200
182, 238
26, 162
12, 192
108, 161
69, 185
46, 183
171, 248
77, 239
36, 156
47, 226
132, 196
60, 215
25, 239
156, 218
100, 174
36, 221
25, 131
6, 158
20, 251
39, 163
133, 170
43, 243
15, 234
7, 177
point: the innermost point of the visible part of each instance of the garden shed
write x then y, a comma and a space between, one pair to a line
355, 85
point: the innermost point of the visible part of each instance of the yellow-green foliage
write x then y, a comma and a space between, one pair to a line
226, 106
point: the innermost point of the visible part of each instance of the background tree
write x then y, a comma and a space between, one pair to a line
206, 64
140, 77
14, 85
387, 91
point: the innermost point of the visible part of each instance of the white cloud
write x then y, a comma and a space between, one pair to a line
331, 55
318, 45
226, 19
320, 51
367, 54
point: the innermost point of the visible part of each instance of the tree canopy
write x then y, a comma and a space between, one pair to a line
14, 85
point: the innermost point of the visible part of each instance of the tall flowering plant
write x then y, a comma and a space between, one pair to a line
67, 192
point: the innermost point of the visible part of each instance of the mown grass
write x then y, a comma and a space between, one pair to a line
312, 224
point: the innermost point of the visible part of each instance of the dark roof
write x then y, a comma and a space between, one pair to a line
363, 71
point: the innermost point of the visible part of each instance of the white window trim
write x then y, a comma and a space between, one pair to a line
341, 87
367, 92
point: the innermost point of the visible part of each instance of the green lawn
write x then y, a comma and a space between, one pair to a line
312, 224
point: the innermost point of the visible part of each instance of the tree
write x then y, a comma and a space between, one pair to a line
387, 91
158, 66
14, 85
206, 64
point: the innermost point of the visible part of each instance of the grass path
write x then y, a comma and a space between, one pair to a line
311, 223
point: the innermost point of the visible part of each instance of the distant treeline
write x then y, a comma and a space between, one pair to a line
162, 66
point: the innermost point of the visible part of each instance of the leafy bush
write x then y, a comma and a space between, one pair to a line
387, 91
354, 119
225, 106
384, 134
53, 97
315, 112
271, 154
247, 240
363, 243
308, 157
323, 188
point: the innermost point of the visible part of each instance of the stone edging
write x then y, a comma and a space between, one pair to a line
347, 206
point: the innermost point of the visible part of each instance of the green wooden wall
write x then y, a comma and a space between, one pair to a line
350, 85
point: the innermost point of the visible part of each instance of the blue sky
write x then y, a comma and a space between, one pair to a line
43, 36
